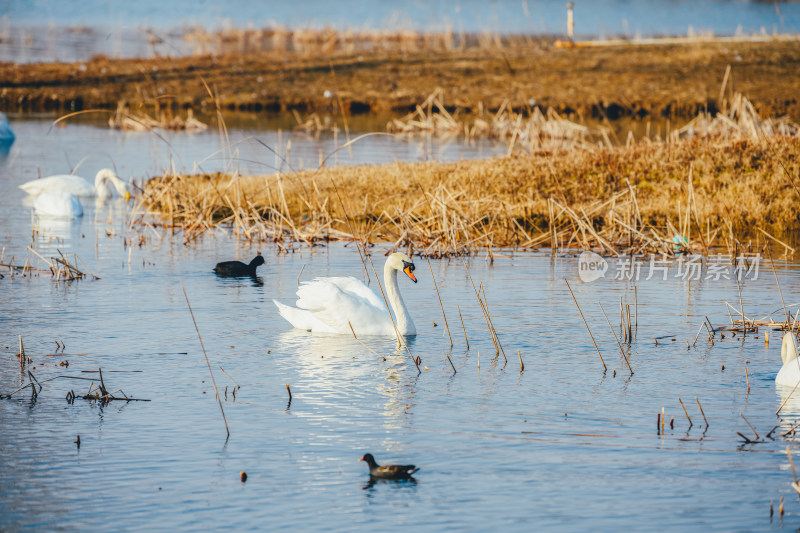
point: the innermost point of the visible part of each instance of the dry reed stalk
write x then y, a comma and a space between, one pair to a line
787, 398
483, 309
750, 425
587, 325
741, 306
701, 411
521, 364
486, 318
462, 326
686, 413
780, 292
698, 333
362, 344
440, 301
788, 248
630, 329
791, 463
22, 357
229, 377
747, 377
216, 390
622, 351
451, 364
485, 301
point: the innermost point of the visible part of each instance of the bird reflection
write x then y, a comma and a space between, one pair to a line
369, 486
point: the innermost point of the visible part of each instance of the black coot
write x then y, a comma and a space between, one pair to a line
232, 269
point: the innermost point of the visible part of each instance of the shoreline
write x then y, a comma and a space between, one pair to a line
666, 79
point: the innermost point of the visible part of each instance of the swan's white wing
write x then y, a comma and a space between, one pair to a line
301, 318
357, 288
61, 183
323, 306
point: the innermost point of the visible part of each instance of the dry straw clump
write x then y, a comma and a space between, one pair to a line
530, 130
614, 199
126, 119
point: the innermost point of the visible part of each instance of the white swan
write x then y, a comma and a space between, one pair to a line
80, 186
58, 204
789, 373
331, 305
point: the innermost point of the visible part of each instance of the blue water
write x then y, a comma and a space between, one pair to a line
595, 18
561, 445
71, 30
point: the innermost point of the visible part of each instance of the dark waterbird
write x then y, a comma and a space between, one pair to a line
232, 269
388, 471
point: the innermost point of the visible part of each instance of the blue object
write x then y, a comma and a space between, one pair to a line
6, 135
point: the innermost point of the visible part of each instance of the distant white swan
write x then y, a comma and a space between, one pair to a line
58, 204
789, 373
6, 133
331, 305
80, 186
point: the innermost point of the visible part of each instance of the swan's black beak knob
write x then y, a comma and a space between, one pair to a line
409, 270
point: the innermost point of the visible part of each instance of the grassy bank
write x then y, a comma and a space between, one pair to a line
615, 199
326, 73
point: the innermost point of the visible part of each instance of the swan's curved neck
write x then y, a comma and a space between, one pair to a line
100, 180
404, 323
788, 348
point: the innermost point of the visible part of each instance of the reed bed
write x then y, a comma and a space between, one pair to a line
533, 129
329, 42
657, 82
709, 191
126, 119
530, 129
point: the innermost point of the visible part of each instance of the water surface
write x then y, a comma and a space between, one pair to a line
561, 445
71, 30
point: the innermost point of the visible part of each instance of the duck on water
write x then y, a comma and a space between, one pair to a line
235, 269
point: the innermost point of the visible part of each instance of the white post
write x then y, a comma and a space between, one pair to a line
570, 20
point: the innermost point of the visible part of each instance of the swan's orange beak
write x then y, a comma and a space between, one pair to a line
410, 273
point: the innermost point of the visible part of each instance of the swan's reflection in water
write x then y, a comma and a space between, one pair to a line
58, 228
790, 412
334, 365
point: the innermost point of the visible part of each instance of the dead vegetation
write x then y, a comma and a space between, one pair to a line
163, 118
60, 268
394, 74
623, 199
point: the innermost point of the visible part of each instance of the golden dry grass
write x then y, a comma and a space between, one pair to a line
596, 197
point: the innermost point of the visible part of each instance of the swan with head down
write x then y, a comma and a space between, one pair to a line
58, 205
80, 186
332, 305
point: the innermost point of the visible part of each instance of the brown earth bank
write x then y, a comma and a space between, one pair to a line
619, 199
663, 80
